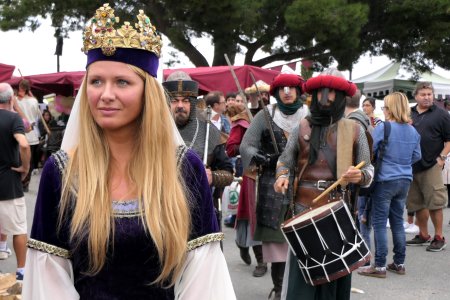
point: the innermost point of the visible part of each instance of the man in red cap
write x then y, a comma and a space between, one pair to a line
263, 142
322, 150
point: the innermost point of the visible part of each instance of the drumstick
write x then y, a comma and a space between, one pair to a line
355, 290
331, 187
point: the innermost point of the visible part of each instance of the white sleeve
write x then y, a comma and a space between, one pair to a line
205, 275
48, 277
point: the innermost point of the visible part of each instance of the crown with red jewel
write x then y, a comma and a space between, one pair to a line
101, 34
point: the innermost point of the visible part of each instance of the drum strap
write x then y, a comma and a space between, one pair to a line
345, 142
296, 181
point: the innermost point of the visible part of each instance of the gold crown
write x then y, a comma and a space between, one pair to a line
100, 33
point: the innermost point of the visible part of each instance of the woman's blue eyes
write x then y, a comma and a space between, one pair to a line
119, 82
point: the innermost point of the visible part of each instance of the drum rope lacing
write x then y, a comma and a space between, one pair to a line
305, 268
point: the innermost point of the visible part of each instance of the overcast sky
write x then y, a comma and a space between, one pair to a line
33, 53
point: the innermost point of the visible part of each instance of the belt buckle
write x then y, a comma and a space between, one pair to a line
318, 185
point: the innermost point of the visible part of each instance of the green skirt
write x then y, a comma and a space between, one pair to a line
267, 234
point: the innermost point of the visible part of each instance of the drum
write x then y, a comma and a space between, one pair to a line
326, 243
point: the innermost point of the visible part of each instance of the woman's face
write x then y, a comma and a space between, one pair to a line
46, 116
367, 108
115, 94
239, 99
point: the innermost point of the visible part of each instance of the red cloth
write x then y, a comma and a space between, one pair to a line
220, 78
6, 72
332, 82
283, 80
234, 139
247, 203
62, 83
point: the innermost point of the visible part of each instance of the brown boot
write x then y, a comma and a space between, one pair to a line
260, 270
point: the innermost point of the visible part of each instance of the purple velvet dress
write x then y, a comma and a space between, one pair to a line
132, 263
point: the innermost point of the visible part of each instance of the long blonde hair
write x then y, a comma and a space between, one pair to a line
398, 107
152, 168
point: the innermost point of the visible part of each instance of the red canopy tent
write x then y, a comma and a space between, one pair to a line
6, 72
62, 83
220, 78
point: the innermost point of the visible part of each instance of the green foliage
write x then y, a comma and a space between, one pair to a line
416, 33
331, 25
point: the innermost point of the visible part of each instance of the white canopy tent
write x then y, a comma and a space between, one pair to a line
393, 77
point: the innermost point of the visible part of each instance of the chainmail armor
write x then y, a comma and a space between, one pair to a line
189, 132
269, 203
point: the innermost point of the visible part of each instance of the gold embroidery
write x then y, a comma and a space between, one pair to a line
47, 248
128, 214
182, 93
206, 239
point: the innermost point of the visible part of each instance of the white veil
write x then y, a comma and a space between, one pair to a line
71, 134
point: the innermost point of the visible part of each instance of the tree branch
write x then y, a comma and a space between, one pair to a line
178, 38
313, 52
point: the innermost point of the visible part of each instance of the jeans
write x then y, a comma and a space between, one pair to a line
364, 228
388, 201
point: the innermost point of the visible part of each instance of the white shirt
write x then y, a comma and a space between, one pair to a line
30, 108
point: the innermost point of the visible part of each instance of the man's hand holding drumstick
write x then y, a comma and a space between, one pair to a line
352, 175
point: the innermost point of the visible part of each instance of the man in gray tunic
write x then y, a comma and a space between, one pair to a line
258, 153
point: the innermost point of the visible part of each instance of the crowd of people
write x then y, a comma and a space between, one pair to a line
130, 206
26, 140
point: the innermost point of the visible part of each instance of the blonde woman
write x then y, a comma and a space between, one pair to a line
392, 181
125, 212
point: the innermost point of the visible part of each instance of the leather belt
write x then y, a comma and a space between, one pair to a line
316, 184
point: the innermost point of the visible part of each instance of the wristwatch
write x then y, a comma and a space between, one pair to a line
443, 157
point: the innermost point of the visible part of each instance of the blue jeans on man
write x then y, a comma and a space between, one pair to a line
388, 201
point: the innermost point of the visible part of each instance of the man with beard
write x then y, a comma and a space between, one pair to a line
314, 149
258, 152
183, 92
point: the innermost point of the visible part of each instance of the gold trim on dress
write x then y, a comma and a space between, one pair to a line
47, 248
206, 239
128, 214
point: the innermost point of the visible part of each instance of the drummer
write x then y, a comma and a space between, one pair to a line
324, 147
